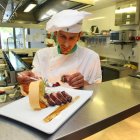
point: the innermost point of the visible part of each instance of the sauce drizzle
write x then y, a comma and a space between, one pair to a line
58, 110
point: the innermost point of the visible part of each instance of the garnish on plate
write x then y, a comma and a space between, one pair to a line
47, 84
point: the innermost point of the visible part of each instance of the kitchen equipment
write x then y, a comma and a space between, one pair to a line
15, 64
94, 29
123, 36
127, 12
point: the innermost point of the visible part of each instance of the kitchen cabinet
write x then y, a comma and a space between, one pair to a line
127, 12
109, 74
114, 69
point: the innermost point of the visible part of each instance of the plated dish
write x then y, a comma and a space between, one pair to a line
21, 110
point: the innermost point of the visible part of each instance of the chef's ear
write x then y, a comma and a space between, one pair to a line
80, 34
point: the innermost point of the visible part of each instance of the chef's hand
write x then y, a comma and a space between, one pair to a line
26, 77
76, 80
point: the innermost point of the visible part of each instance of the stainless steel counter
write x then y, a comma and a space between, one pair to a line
112, 101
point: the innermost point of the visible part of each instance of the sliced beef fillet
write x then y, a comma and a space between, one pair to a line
49, 99
55, 98
61, 97
58, 98
67, 96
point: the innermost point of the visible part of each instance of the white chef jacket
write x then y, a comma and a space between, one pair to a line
52, 66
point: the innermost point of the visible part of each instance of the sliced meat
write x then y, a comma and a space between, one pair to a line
58, 98
50, 100
61, 97
67, 96
55, 99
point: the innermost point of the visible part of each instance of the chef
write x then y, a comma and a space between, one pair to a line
49, 41
80, 65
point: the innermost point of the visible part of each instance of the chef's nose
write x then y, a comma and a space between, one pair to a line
66, 44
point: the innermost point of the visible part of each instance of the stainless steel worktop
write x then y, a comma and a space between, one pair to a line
112, 101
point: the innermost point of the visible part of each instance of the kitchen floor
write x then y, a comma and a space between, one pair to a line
128, 129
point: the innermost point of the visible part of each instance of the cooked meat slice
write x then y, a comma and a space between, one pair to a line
61, 97
67, 96
55, 99
50, 100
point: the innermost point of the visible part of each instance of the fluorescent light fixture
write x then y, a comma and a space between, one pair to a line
126, 10
85, 1
48, 14
44, 17
30, 7
51, 12
97, 18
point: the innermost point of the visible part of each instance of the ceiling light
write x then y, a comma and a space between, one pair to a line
97, 18
30, 7
48, 14
84, 1
51, 12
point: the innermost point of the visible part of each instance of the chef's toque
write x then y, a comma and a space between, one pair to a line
67, 20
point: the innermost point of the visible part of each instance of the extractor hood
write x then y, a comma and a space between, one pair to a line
13, 11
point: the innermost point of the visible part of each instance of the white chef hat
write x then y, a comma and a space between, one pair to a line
67, 20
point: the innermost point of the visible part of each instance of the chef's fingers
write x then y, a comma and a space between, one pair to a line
75, 77
25, 77
26, 73
76, 80
78, 84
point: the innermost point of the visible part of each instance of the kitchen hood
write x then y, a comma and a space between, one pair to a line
13, 10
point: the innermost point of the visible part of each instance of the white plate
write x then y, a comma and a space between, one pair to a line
21, 111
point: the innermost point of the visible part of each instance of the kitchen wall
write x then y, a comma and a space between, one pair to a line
105, 20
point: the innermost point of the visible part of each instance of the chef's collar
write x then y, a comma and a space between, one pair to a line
71, 51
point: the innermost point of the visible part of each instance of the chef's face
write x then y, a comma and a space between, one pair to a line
67, 40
